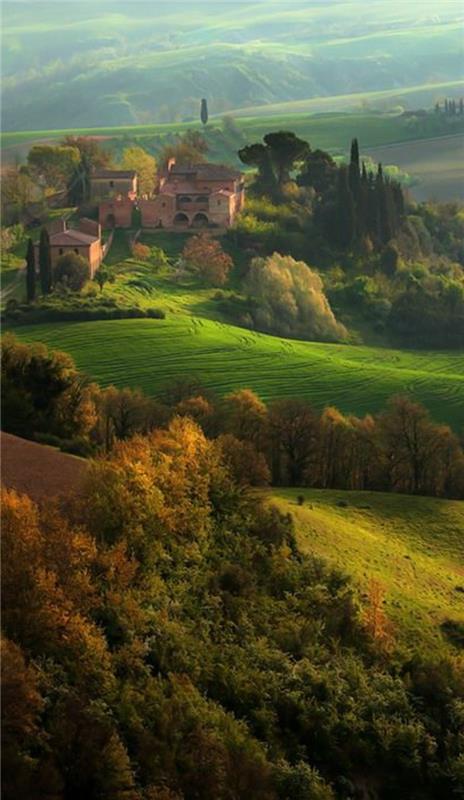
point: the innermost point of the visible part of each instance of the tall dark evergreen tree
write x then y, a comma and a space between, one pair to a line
379, 204
446, 106
345, 211
204, 111
30, 272
390, 223
437, 108
362, 210
461, 106
354, 174
45, 262
371, 211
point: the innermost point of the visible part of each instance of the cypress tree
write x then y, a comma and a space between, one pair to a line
379, 204
45, 262
371, 210
398, 200
362, 210
354, 168
345, 210
204, 111
30, 272
390, 222
446, 106
461, 106
437, 108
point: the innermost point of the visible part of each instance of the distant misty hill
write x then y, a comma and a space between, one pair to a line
109, 63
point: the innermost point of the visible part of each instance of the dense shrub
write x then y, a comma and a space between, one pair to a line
101, 309
289, 299
79, 446
71, 270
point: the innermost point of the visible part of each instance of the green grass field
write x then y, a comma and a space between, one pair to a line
414, 546
424, 95
330, 130
151, 353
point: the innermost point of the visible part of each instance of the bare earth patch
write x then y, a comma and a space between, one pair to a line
40, 471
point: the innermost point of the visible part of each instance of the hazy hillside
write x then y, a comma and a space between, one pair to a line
107, 63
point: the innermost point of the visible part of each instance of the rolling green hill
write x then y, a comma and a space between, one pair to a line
150, 353
92, 64
331, 131
414, 546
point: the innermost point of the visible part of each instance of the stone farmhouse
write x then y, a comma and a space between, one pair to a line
195, 196
105, 183
85, 241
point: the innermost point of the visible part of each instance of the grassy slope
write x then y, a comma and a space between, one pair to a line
150, 353
332, 131
413, 545
195, 340
422, 94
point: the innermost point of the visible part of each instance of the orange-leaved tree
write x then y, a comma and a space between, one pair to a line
204, 255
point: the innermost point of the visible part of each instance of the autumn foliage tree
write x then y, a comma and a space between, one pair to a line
141, 252
204, 256
289, 299
136, 158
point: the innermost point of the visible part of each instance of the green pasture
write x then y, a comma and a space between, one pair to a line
329, 130
150, 353
413, 546
423, 93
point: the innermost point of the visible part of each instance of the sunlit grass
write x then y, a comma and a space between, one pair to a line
414, 546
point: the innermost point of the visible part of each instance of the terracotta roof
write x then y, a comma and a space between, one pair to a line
182, 187
207, 171
113, 173
39, 470
70, 237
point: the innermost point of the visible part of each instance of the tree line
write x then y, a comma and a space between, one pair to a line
351, 204
288, 442
450, 107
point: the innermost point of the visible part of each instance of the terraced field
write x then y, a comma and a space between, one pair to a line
150, 353
413, 546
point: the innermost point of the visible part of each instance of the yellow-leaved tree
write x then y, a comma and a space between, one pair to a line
144, 164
